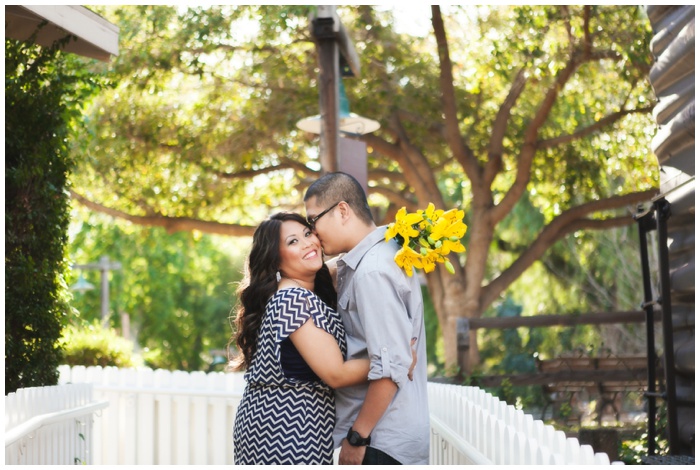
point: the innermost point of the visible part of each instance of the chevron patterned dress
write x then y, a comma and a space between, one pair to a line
283, 420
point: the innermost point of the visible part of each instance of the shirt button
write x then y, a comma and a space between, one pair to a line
383, 349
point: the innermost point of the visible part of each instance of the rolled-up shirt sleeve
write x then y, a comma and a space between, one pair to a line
387, 326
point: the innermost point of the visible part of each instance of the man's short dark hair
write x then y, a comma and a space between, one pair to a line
332, 188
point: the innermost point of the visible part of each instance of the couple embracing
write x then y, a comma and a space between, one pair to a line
334, 351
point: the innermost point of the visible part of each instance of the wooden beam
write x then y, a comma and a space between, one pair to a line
579, 378
347, 48
561, 320
345, 44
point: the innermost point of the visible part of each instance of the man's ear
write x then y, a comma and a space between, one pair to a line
345, 211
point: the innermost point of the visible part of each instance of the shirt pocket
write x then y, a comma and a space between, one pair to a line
343, 304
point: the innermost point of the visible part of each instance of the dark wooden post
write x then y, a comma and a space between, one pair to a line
324, 29
463, 347
332, 40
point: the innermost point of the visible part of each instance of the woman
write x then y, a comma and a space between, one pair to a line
292, 345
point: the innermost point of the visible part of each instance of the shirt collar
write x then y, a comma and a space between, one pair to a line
354, 256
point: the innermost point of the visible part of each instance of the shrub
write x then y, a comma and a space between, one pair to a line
94, 345
42, 97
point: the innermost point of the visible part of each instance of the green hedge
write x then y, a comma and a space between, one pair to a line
41, 98
94, 345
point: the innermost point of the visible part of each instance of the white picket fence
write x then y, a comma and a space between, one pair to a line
179, 418
50, 425
472, 427
159, 417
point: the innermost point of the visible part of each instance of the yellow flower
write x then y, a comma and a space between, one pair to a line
449, 246
429, 260
448, 228
407, 259
403, 226
427, 237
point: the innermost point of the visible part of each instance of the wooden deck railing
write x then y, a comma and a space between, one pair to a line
50, 425
179, 418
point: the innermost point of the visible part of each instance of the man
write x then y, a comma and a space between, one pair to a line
386, 420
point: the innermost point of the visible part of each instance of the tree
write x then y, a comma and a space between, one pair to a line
586, 47
43, 93
177, 289
545, 103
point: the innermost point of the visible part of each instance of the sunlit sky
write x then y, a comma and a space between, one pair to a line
411, 18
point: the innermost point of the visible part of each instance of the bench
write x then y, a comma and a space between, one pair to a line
604, 377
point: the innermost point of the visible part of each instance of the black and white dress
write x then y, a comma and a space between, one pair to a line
287, 413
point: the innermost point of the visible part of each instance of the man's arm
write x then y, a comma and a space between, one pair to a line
387, 332
379, 396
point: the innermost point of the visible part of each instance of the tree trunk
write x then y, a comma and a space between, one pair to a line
458, 295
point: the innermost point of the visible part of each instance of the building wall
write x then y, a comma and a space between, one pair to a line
673, 79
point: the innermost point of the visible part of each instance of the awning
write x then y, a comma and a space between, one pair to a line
96, 37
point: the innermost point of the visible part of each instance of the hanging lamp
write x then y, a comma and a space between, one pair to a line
82, 285
348, 123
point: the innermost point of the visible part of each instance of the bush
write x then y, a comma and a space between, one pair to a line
42, 96
94, 345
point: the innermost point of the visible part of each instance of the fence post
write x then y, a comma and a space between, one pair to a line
463, 347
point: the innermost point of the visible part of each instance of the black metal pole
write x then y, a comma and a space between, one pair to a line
645, 223
663, 212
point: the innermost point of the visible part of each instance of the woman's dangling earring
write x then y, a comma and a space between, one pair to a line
279, 276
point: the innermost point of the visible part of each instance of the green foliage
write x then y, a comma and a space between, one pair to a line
589, 271
93, 345
177, 289
433, 334
43, 94
210, 97
634, 448
512, 351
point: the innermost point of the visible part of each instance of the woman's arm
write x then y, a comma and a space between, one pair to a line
321, 352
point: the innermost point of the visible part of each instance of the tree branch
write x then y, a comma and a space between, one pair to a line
379, 174
395, 198
171, 224
384, 147
598, 125
567, 222
462, 153
418, 172
500, 125
529, 146
285, 164
432, 126
587, 42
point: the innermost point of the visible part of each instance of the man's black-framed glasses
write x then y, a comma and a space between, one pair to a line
312, 221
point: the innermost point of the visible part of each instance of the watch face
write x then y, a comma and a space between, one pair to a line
355, 439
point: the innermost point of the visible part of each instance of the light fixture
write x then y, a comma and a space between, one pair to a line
82, 285
349, 123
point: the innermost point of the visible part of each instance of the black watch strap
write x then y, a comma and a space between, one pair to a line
354, 438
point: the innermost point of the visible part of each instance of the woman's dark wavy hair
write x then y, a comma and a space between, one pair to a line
260, 283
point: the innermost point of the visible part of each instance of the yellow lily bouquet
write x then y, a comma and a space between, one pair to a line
427, 237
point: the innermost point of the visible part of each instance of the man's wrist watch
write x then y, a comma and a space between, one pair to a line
354, 438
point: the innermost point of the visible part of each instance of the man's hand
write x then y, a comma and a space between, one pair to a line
415, 358
351, 455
